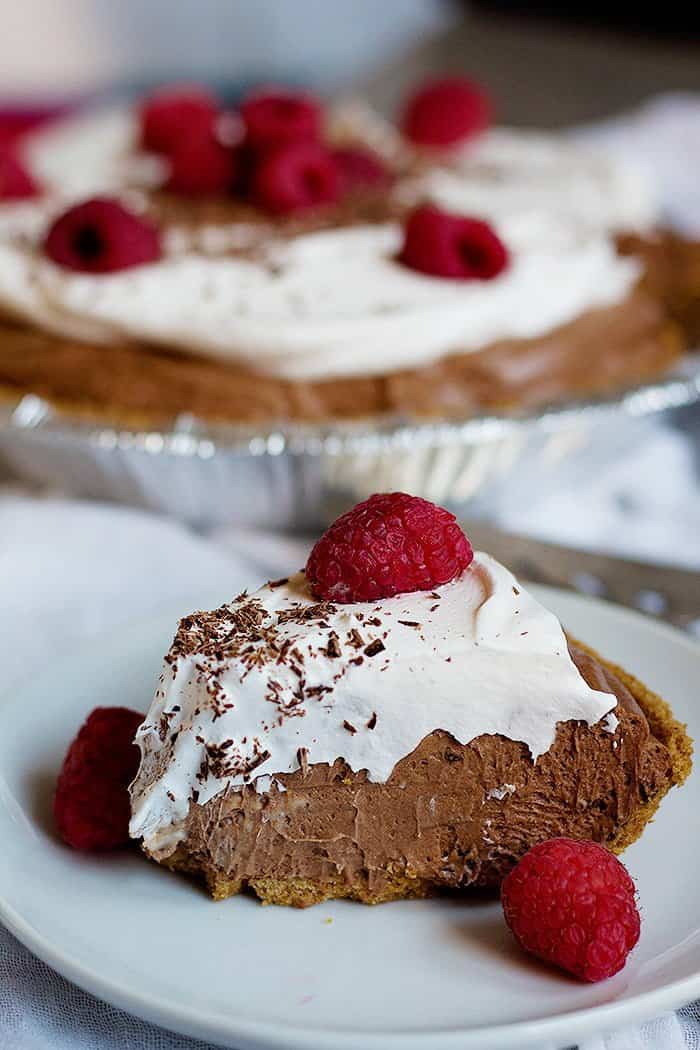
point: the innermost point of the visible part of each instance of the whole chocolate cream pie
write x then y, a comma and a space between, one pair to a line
306, 749
264, 306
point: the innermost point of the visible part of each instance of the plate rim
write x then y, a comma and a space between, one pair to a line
227, 1031
217, 1028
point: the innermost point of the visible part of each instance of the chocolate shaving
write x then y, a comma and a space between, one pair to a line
355, 638
333, 649
349, 726
373, 721
305, 613
164, 725
377, 646
258, 761
317, 690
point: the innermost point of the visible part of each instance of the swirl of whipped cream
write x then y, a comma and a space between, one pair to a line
338, 303
334, 303
92, 152
508, 173
245, 688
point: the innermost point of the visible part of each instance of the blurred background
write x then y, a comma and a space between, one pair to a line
605, 72
544, 64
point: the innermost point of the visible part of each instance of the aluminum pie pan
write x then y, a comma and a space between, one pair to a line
299, 476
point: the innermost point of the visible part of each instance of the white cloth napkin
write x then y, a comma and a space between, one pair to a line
664, 137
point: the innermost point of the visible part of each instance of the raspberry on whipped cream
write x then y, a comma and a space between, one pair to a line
275, 117
392, 543
201, 165
16, 182
360, 168
101, 236
446, 112
445, 245
173, 115
295, 176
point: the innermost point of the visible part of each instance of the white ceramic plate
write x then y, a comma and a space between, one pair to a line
403, 976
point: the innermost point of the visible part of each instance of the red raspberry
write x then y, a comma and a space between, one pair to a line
359, 167
174, 114
15, 123
390, 544
15, 181
445, 112
273, 118
91, 806
573, 904
445, 245
101, 236
201, 166
299, 175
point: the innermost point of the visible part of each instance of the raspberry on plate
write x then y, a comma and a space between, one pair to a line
573, 904
172, 115
296, 176
15, 181
392, 543
91, 804
201, 165
445, 245
275, 117
101, 236
446, 112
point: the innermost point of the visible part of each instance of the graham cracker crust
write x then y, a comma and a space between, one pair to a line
672, 734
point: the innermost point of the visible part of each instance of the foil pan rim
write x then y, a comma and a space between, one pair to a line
192, 437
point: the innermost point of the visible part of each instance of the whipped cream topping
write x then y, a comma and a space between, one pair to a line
513, 173
337, 303
278, 679
332, 303
92, 152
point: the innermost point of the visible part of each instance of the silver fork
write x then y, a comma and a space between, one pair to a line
667, 593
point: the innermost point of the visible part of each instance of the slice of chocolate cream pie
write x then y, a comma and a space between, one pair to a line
400, 718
